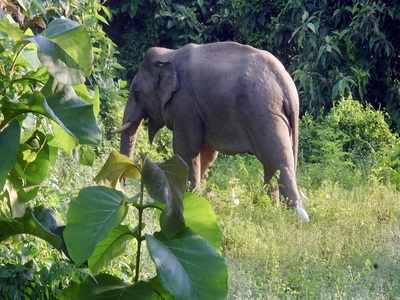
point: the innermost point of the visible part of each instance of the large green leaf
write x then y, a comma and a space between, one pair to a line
89, 96
117, 166
171, 219
30, 59
200, 217
62, 139
71, 113
38, 222
156, 182
177, 172
91, 216
10, 29
62, 105
108, 287
74, 40
166, 183
9, 143
189, 268
112, 246
92, 288
65, 49
59, 64
141, 290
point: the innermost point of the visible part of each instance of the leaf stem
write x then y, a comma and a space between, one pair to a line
9, 203
15, 59
139, 235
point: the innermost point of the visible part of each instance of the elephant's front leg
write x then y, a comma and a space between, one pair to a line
188, 147
195, 173
207, 157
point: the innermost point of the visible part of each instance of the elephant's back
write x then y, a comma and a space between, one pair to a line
215, 74
232, 85
214, 70
225, 74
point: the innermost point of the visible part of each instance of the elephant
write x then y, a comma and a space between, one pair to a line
219, 97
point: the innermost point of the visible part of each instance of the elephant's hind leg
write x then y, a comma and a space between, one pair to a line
274, 149
272, 187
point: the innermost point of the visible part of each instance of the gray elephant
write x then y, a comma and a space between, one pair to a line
223, 97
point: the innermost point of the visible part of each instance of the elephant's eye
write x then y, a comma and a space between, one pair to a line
135, 85
135, 89
136, 94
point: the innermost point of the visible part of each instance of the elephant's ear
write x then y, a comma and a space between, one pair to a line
167, 81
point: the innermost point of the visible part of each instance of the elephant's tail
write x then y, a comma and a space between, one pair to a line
294, 120
291, 106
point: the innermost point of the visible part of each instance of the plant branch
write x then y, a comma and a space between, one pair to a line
28, 78
15, 59
139, 235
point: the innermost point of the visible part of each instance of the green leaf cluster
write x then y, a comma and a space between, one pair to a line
185, 251
44, 106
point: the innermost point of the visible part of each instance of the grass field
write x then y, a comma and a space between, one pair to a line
349, 250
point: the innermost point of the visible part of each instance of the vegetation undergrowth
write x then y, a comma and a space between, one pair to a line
347, 251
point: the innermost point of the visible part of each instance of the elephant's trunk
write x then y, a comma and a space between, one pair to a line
133, 116
128, 137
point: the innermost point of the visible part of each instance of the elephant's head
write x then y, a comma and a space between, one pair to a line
150, 91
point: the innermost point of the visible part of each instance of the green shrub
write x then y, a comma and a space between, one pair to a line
365, 130
352, 141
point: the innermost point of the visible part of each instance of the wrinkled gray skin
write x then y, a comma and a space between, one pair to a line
223, 97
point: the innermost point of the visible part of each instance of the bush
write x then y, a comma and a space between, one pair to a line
352, 139
364, 129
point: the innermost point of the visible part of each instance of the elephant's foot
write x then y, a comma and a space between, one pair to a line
301, 212
298, 207
303, 215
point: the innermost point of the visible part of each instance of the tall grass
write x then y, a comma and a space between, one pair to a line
348, 250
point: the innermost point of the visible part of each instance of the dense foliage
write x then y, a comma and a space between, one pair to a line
45, 106
94, 235
332, 48
42, 92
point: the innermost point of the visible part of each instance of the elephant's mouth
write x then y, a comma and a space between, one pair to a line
128, 124
152, 128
